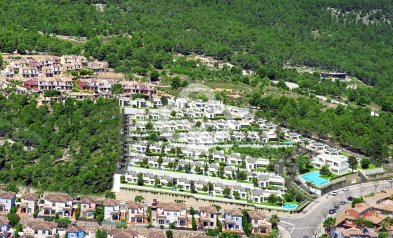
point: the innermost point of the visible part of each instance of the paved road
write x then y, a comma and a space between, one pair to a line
309, 222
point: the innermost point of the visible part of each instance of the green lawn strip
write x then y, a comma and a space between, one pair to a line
370, 166
75, 86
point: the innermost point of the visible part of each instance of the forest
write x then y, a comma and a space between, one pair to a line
143, 37
338, 35
71, 147
352, 127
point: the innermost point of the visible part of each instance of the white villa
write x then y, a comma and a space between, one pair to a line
337, 164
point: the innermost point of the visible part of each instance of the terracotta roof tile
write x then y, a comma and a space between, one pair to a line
87, 199
121, 233
208, 209
171, 206
58, 197
7, 195
42, 225
131, 204
111, 202
30, 196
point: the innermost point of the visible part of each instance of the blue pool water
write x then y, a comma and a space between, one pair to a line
288, 143
314, 178
289, 206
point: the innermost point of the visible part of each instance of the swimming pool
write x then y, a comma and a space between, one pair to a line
314, 177
289, 206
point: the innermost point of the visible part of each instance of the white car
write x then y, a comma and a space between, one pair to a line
390, 180
334, 193
346, 189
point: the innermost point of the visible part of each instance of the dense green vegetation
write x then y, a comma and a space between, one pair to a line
142, 37
71, 147
265, 152
352, 127
355, 37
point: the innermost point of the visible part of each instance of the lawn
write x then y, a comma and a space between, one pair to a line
293, 202
311, 168
75, 86
269, 204
370, 166
331, 176
168, 188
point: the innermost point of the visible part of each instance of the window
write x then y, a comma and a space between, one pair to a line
35, 231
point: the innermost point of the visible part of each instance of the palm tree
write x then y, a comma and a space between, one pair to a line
384, 225
210, 187
160, 161
329, 223
248, 195
226, 192
255, 181
180, 187
274, 220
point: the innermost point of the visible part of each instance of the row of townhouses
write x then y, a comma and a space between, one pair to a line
268, 183
191, 108
32, 67
196, 157
101, 86
162, 214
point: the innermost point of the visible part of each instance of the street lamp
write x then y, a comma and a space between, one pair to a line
346, 194
375, 185
361, 189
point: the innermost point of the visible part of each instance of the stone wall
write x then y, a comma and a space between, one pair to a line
126, 194
143, 231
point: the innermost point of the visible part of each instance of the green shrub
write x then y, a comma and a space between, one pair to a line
13, 219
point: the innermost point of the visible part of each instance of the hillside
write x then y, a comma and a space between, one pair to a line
141, 39
331, 34
71, 147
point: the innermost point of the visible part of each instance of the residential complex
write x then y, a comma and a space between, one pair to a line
73, 75
43, 224
189, 133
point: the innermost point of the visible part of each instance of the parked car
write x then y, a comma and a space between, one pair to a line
336, 207
346, 189
332, 211
334, 193
350, 198
343, 203
390, 180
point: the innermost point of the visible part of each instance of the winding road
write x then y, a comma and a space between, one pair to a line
309, 221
